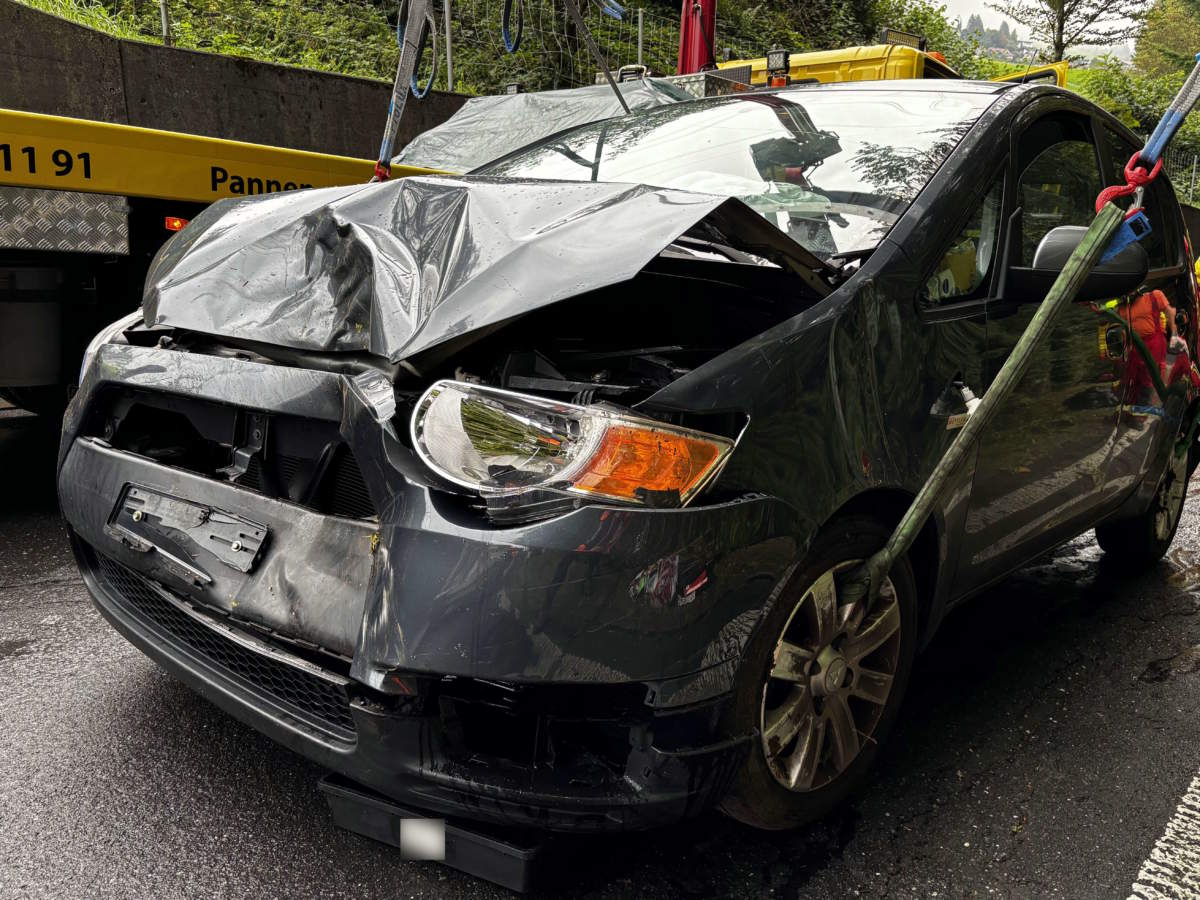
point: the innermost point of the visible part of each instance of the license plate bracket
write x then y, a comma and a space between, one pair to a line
175, 529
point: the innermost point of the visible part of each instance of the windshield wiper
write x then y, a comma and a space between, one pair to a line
571, 155
594, 165
721, 249
849, 255
845, 261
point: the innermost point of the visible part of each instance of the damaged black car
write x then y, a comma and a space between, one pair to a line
522, 496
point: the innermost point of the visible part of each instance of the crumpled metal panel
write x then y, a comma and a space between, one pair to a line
311, 583
36, 219
394, 268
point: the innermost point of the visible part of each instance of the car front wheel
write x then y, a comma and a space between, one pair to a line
821, 683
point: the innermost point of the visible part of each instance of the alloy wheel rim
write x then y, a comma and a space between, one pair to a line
831, 675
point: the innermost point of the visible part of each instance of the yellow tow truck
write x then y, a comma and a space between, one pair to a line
85, 205
900, 55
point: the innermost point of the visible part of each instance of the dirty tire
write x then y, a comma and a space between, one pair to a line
756, 797
1136, 544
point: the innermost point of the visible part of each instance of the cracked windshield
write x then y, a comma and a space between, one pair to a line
834, 172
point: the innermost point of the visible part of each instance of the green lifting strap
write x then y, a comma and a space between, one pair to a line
865, 581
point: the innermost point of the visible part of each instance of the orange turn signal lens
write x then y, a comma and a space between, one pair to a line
174, 223
632, 462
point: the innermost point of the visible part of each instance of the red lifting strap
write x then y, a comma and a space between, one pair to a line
1135, 177
383, 171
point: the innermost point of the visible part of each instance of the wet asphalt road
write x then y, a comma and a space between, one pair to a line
1048, 735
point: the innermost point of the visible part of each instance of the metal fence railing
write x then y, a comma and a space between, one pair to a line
552, 52
358, 37
1183, 168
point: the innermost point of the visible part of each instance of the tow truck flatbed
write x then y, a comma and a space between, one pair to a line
878, 62
85, 205
57, 153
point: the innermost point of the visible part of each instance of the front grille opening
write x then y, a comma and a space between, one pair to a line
288, 469
167, 437
305, 695
589, 753
343, 490
583, 731
303, 461
485, 733
594, 747
252, 478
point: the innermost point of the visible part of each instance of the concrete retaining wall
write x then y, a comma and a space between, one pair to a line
49, 65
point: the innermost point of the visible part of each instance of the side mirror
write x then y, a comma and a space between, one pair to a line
1119, 276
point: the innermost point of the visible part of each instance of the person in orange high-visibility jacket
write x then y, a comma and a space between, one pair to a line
1152, 318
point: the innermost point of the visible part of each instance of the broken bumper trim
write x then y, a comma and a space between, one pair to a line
304, 692
404, 756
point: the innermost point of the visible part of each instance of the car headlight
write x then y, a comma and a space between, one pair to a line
105, 336
502, 443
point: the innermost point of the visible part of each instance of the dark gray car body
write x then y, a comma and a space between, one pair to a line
602, 641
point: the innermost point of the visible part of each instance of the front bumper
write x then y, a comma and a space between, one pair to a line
396, 650
414, 747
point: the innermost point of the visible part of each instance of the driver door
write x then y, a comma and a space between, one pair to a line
1044, 458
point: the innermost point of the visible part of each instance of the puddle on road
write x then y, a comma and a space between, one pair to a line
10, 648
1184, 663
1066, 563
1186, 563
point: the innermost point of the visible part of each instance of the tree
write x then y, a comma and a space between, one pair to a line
1167, 42
357, 37
1138, 100
1062, 24
928, 18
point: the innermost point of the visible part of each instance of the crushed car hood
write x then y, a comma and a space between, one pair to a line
395, 268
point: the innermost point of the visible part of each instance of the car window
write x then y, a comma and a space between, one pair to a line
1057, 187
833, 169
1160, 244
964, 268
